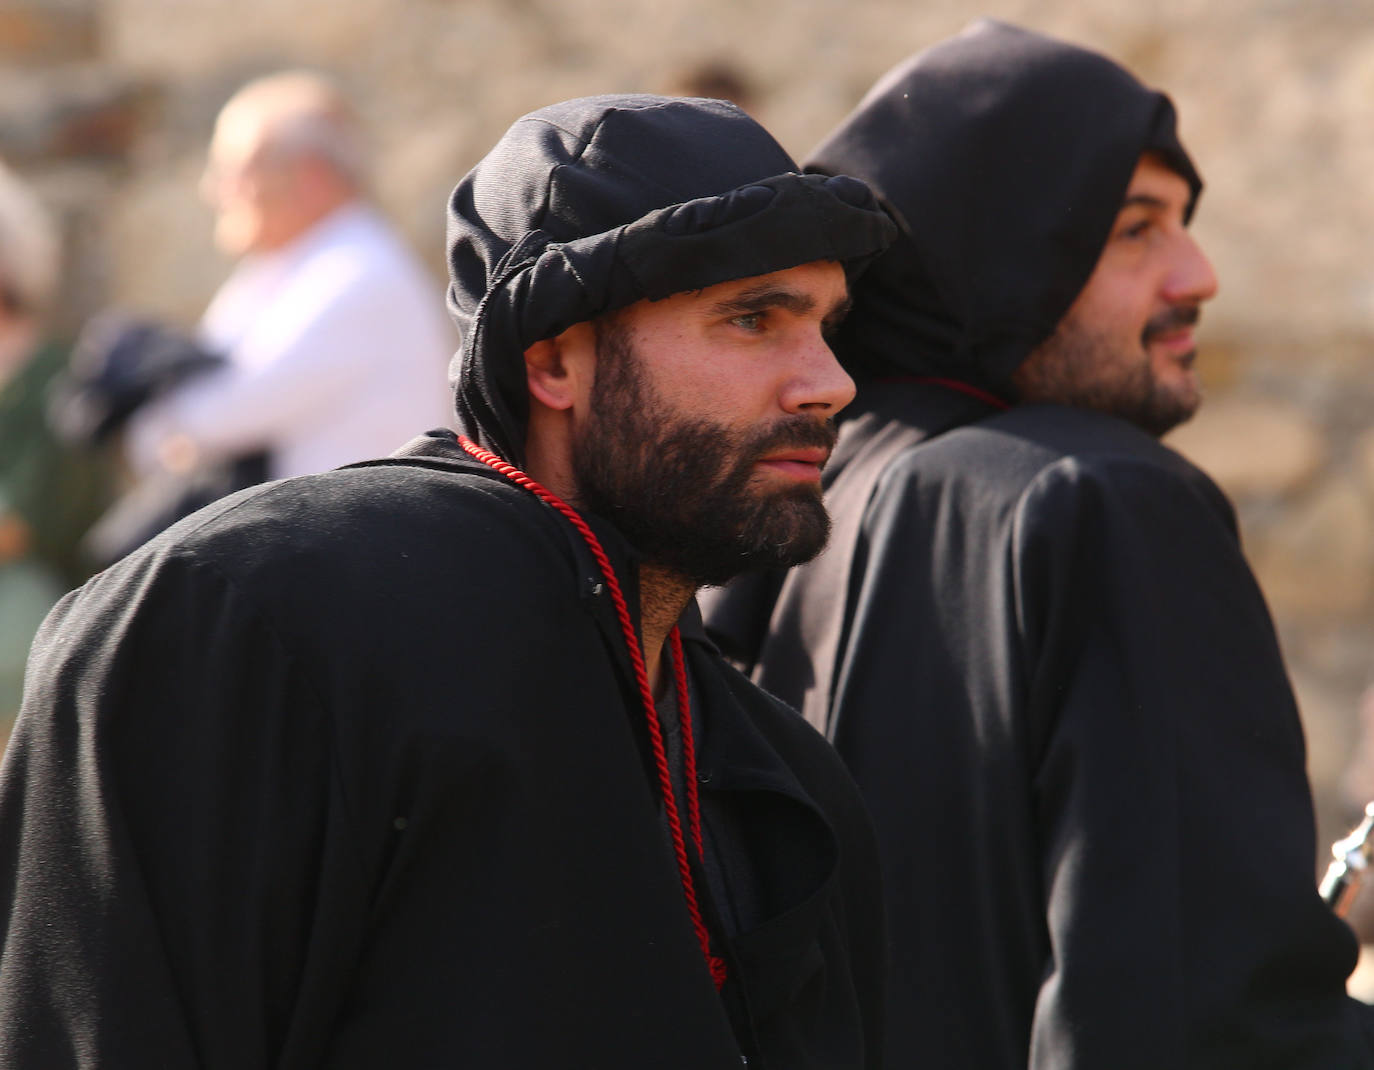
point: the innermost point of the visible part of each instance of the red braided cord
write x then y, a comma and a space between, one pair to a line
665, 780
985, 396
689, 774
689, 748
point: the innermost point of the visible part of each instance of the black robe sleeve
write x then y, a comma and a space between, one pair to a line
172, 770
1169, 789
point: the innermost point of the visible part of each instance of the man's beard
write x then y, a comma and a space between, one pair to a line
1085, 368
681, 489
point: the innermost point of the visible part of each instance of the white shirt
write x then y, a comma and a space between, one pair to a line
338, 348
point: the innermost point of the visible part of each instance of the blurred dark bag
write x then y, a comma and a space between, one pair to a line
120, 363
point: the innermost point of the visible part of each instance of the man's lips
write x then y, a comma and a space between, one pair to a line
801, 463
1177, 343
1172, 330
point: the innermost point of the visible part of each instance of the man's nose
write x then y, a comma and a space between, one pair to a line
1191, 276
818, 384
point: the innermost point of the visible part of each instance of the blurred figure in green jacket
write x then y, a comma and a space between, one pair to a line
49, 493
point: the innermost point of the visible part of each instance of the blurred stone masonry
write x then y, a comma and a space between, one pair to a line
69, 122
107, 106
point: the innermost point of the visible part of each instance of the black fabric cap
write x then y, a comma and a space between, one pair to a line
590, 205
1005, 155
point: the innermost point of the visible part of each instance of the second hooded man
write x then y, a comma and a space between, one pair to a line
1034, 638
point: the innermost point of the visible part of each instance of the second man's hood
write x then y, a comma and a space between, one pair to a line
1005, 156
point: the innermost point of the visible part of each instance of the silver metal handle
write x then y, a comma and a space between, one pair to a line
1351, 858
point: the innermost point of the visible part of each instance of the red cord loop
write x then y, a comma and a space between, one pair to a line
957, 385
646, 695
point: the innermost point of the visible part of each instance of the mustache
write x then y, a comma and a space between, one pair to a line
793, 432
1171, 319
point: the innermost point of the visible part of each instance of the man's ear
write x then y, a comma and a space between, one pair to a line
559, 370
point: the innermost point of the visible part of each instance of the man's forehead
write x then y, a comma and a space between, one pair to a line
820, 288
823, 280
239, 133
1154, 181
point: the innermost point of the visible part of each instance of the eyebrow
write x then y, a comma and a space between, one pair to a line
762, 298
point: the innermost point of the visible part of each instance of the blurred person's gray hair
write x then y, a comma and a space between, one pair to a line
306, 113
29, 249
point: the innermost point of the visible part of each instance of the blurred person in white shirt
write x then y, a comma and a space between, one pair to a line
335, 340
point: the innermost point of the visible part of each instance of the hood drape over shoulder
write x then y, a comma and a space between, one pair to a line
623, 198
1019, 149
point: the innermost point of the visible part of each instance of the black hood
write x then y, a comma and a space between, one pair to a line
590, 205
1005, 155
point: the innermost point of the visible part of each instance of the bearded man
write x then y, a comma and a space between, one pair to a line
427, 761
1034, 638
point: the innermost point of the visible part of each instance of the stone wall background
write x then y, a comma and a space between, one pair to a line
107, 105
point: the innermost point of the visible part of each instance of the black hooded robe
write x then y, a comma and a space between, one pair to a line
1034, 637
351, 770
1042, 655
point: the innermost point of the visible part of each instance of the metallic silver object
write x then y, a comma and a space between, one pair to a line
1351, 860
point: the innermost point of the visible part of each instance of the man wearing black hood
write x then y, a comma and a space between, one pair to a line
1034, 638
426, 762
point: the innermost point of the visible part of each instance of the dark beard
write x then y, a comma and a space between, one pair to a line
1077, 366
680, 490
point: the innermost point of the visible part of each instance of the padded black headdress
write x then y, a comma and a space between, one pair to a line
593, 204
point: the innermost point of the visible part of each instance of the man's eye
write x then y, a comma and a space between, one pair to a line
749, 321
1136, 230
